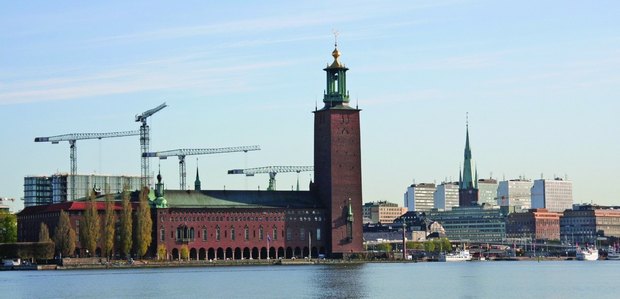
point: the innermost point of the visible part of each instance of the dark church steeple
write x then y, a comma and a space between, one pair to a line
468, 182
197, 181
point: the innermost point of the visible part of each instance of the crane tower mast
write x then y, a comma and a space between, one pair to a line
145, 140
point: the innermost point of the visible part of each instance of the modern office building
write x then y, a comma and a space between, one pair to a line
515, 193
382, 211
534, 224
468, 180
584, 223
420, 197
487, 192
446, 196
472, 224
554, 195
43, 190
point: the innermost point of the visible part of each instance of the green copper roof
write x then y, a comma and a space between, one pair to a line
241, 199
468, 179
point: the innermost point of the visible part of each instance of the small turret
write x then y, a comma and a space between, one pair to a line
197, 181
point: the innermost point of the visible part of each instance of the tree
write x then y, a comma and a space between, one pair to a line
429, 246
8, 228
109, 224
415, 245
64, 236
387, 247
162, 252
184, 252
89, 228
126, 225
446, 245
144, 224
44, 233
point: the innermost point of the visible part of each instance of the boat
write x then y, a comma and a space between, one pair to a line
458, 256
587, 254
613, 254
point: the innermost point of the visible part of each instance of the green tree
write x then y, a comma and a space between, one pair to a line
446, 245
109, 224
429, 246
162, 252
415, 245
184, 252
144, 224
8, 228
89, 227
387, 247
64, 235
44, 233
126, 225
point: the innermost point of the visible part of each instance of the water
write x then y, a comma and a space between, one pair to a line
563, 279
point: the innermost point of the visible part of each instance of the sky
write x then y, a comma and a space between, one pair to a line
540, 81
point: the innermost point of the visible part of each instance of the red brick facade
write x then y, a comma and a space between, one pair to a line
538, 224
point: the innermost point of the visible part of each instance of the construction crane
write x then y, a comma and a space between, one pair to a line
144, 141
181, 153
272, 171
72, 138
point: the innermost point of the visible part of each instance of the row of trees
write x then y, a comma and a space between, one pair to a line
8, 228
431, 246
94, 232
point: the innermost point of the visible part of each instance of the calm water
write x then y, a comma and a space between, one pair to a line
565, 279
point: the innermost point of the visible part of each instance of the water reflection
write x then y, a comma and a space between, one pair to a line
340, 281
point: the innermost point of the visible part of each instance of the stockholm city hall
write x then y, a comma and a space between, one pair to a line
243, 224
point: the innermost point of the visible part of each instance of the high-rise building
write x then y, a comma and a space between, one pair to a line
515, 193
554, 195
468, 180
382, 211
420, 197
44, 190
446, 196
487, 191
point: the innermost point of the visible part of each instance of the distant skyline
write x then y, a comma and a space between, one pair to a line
540, 81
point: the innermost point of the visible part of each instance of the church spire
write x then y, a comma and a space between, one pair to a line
468, 193
336, 94
197, 181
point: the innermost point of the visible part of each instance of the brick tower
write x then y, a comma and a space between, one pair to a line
337, 162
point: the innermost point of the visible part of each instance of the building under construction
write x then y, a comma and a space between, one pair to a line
236, 224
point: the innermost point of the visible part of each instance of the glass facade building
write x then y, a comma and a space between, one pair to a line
446, 196
554, 195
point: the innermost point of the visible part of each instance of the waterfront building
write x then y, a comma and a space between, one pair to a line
446, 196
472, 224
554, 195
233, 224
420, 197
382, 211
468, 180
44, 190
585, 223
536, 224
515, 193
414, 221
487, 192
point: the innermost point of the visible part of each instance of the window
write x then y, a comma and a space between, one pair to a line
302, 233
260, 233
232, 233
204, 234
275, 233
289, 235
162, 233
246, 233
318, 234
217, 233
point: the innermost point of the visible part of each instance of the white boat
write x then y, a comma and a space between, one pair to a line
587, 254
459, 256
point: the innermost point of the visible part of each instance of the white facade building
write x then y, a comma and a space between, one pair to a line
420, 197
515, 193
446, 196
554, 195
487, 192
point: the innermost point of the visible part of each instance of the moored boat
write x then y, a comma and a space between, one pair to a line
587, 254
458, 256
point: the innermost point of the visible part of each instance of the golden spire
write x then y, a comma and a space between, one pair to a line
336, 53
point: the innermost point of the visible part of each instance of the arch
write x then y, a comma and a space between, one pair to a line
175, 254
322, 250
202, 254
229, 253
255, 254
315, 252
211, 254
246, 253
289, 253
193, 254
272, 253
98, 252
305, 252
263, 253
220, 253
280, 253
297, 252
237, 255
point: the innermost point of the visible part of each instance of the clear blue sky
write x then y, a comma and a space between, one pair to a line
540, 80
